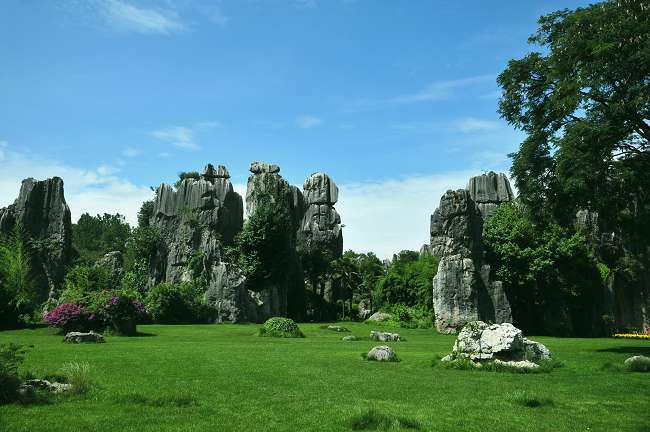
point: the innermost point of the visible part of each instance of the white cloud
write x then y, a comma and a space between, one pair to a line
308, 122
434, 91
179, 136
214, 14
95, 191
122, 15
305, 4
392, 215
3, 146
130, 152
470, 125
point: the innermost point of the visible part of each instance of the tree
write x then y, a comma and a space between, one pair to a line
17, 288
263, 248
94, 236
584, 103
145, 213
345, 270
408, 281
549, 274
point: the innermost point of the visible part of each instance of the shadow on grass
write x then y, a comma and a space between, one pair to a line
143, 334
628, 350
373, 420
180, 400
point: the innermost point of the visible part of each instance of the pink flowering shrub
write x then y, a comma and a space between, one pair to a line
69, 317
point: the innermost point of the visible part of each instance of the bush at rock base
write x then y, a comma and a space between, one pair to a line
70, 317
11, 357
169, 303
281, 327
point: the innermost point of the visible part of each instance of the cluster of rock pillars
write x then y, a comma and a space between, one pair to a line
200, 215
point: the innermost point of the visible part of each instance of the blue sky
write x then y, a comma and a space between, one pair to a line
396, 100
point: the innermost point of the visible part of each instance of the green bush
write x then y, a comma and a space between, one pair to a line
281, 327
176, 303
17, 285
11, 357
407, 317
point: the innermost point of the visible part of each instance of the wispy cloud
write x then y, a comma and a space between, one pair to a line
305, 4
214, 14
179, 136
95, 191
471, 125
308, 121
466, 125
130, 152
3, 146
434, 91
125, 16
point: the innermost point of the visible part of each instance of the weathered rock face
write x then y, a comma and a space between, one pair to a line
462, 289
489, 191
481, 342
286, 297
320, 227
45, 217
195, 221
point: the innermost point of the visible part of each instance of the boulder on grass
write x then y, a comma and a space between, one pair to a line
79, 337
384, 336
638, 363
505, 343
382, 354
337, 329
380, 316
41, 384
349, 338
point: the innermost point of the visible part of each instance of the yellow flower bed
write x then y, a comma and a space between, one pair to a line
632, 336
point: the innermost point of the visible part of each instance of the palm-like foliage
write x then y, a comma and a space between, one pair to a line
346, 271
16, 283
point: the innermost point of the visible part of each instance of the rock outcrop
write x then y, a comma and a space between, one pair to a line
278, 297
462, 288
382, 353
113, 263
80, 337
196, 220
43, 214
489, 191
480, 342
320, 236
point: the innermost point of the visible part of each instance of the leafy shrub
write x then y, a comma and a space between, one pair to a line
281, 327
176, 303
78, 376
638, 364
70, 317
11, 357
123, 308
17, 286
407, 317
377, 421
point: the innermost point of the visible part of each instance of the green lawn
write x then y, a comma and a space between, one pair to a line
225, 378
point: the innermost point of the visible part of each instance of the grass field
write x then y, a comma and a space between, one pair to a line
225, 378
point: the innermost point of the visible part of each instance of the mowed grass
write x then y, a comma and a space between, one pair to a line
226, 378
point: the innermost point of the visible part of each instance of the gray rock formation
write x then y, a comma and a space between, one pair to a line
195, 221
382, 354
480, 342
380, 316
42, 212
490, 190
320, 228
79, 337
384, 336
462, 288
284, 297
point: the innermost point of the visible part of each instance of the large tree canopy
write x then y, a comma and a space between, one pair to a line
584, 103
